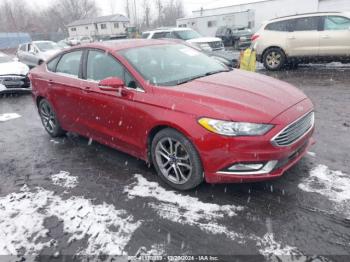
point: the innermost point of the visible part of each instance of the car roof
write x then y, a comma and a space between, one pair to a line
42, 41
116, 45
168, 29
306, 15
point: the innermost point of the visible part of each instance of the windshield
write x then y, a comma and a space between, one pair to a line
46, 46
4, 58
187, 34
171, 64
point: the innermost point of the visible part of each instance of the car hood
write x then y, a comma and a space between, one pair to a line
204, 40
13, 68
238, 96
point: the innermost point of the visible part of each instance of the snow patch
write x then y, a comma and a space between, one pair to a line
268, 247
191, 206
332, 184
106, 229
313, 154
8, 116
189, 210
54, 141
64, 179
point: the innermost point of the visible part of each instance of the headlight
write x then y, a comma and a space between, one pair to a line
204, 46
228, 128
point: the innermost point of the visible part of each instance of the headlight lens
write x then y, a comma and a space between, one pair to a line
228, 128
204, 46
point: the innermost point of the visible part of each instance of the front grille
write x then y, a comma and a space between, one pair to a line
295, 130
216, 45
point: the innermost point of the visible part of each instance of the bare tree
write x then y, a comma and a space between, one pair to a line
147, 11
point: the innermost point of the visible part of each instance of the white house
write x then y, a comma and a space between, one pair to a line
112, 26
252, 14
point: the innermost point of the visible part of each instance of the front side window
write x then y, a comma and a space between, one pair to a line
171, 65
101, 65
306, 24
336, 23
51, 66
145, 35
159, 35
69, 64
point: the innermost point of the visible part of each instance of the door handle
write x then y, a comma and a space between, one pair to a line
87, 89
291, 37
50, 82
325, 36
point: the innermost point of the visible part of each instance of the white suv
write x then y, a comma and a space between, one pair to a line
186, 34
316, 37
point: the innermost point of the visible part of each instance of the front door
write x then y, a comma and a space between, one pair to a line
303, 40
335, 37
111, 117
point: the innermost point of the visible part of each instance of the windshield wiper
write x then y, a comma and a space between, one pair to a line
200, 76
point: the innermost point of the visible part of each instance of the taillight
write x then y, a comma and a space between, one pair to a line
254, 37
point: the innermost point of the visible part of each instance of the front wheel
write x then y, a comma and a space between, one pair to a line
176, 160
274, 59
49, 119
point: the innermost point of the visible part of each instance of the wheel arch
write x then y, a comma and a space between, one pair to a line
273, 46
159, 127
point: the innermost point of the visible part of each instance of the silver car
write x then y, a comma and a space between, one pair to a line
37, 52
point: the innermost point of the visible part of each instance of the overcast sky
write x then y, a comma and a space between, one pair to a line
190, 5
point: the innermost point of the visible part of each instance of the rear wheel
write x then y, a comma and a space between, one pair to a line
176, 160
274, 59
49, 119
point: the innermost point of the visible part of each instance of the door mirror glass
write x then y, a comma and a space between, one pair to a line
111, 84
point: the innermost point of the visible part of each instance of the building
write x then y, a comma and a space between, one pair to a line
253, 14
111, 26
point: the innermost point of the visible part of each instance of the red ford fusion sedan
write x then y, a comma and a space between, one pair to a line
177, 108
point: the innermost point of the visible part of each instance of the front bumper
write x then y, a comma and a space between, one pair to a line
219, 153
14, 83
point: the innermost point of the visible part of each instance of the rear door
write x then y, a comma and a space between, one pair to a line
335, 37
65, 91
304, 38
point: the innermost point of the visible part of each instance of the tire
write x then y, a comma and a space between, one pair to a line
274, 59
180, 156
49, 119
293, 65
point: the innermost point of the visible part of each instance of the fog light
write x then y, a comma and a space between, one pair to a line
250, 168
245, 167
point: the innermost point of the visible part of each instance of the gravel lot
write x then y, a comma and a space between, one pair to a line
74, 196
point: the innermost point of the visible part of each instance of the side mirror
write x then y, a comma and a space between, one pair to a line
111, 84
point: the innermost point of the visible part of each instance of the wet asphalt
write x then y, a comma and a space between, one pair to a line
305, 220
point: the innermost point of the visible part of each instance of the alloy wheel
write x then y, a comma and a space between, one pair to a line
48, 117
273, 59
173, 160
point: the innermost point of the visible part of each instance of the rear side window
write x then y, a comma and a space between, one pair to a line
101, 65
70, 63
336, 23
282, 26
306, 24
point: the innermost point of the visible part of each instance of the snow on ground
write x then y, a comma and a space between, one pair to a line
332, 184
189, 210
64, 179
106, 229
8, 116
